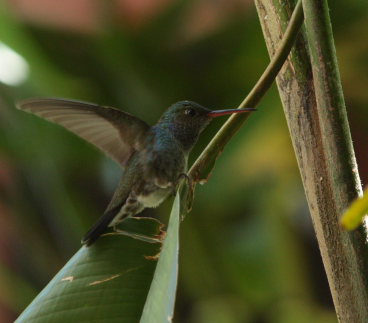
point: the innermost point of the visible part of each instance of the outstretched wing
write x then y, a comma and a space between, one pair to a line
116, 133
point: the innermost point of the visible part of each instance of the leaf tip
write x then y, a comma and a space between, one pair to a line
350, 222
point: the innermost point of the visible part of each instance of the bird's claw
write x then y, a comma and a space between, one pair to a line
177, 184
184, 176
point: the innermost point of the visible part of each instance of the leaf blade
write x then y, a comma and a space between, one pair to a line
159, 306
107, 282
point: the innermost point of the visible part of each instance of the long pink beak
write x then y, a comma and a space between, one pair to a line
219, 113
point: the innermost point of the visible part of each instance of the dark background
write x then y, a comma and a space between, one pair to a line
248, 250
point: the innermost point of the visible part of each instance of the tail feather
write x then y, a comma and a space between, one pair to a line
101, 225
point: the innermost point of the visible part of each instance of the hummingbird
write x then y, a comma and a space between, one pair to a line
153, 158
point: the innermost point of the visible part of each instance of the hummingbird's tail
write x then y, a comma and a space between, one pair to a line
101, 225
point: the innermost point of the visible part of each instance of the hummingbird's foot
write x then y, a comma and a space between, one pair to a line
186, 177
177, 183
117, 222
138, 236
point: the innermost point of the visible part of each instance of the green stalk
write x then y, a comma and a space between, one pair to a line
347, 267
202, 167
310, 90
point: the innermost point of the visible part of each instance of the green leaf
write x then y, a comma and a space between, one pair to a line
159, 306
116, 279
354, 215
107, 282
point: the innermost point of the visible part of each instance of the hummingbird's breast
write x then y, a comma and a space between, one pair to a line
162, 163
163, 159
150, 176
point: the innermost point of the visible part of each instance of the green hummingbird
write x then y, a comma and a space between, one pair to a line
153, 158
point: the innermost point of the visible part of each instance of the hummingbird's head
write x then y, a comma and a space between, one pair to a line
187, 119
187, 114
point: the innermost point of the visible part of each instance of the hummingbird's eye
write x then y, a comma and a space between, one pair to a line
190, 112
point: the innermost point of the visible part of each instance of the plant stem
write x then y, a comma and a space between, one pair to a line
346, 266
314, 108
202, 167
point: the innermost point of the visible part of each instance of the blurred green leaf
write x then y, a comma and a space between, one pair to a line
354, 215
44, 75
15, 292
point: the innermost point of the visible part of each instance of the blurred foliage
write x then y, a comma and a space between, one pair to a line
355, 214
248, 251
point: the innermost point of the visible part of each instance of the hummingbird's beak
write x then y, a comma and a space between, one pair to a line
219, 113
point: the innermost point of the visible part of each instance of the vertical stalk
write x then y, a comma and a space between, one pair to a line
348, 286
314, 108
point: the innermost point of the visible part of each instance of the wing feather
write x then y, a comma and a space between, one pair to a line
118, 134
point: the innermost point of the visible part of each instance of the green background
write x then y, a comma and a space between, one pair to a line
248, 251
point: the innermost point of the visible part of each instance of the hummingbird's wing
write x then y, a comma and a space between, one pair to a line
116, 133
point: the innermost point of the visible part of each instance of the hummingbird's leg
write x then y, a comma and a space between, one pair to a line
130, 208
